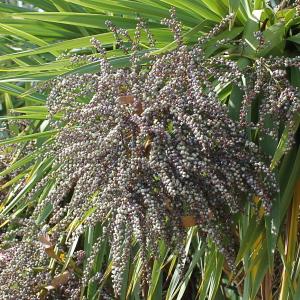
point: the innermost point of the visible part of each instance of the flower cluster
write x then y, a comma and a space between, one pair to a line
278, 100
24, 270
152, 145
141, 147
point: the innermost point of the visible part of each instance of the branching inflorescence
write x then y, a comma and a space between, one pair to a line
143, 146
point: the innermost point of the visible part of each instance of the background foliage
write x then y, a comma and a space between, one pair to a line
36, 40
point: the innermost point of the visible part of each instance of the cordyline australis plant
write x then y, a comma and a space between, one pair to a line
141, 147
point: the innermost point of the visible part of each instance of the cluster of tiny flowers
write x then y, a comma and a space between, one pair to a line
23, 268
141, 147
151, 146
268, 85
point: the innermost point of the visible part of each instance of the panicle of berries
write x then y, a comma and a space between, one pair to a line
153, 144
140, 147
18, 276
174, 25
278, 99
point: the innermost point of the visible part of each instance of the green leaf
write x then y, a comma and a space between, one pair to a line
217, 7
251, 235
200, 9
234, 5
36, 175
261, 265
45, 4
31, 110
132, 8
283, 143
155, 290
20, 163
184, 281
45, 213
234, 103
18, 91
6, 7
28, 137
295, 38
80, 19
175, 281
